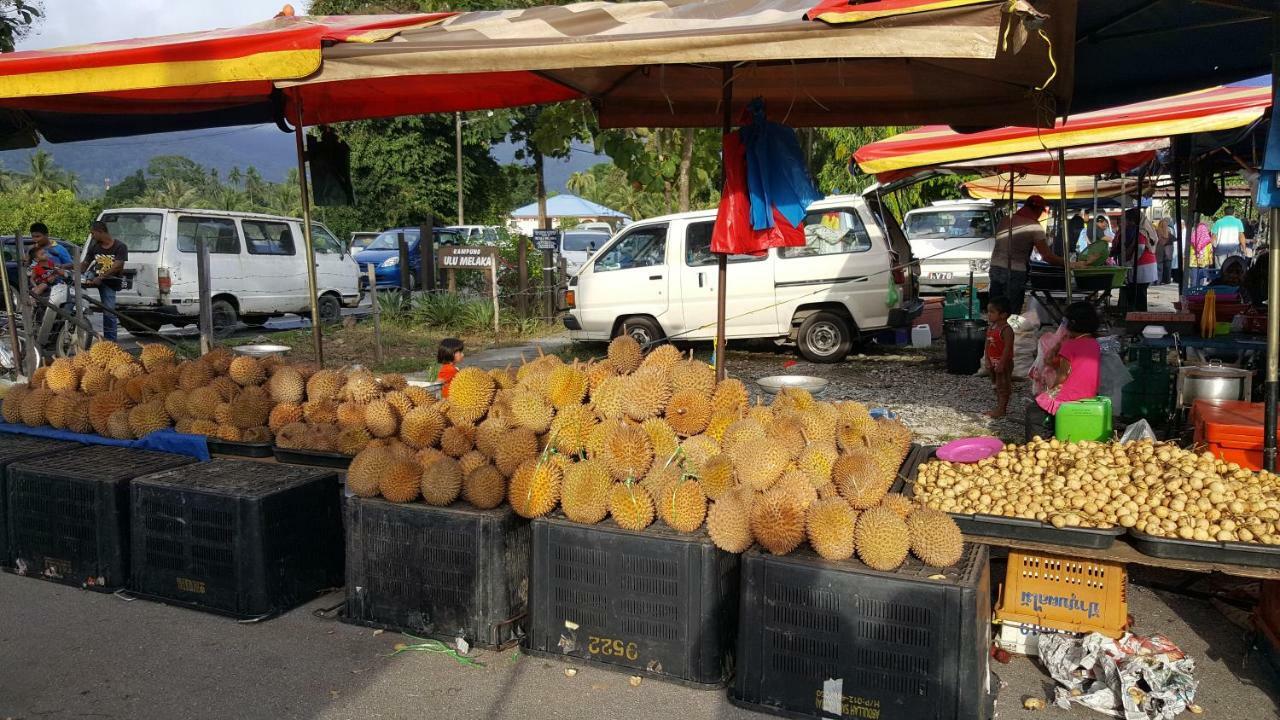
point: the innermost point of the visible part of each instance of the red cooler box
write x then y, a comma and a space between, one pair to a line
932, 316
1232, 430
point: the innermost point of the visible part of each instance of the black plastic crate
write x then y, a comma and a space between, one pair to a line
823, 639
240, 538
443, 572
14, 447
654, 603
69, 513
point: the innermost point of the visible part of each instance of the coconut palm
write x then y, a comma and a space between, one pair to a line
44, 176
171, 194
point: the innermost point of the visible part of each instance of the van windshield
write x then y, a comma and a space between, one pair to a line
140, 232
939, 224
390, 240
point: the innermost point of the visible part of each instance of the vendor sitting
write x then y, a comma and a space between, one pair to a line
1098, 249
1076, 361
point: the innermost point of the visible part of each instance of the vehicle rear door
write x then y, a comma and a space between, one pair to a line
141, 233
749, 310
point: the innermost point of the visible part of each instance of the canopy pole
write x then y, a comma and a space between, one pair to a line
1177, 222
1126, 297
1062, 219
309, 251
1270, 387
1088, 232
722, 259
12, 316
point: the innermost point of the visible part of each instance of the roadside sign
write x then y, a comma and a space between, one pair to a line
454, 257
547, 239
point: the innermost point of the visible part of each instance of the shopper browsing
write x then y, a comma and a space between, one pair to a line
1016, 236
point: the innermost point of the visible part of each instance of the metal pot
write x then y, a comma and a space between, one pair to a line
1213, 382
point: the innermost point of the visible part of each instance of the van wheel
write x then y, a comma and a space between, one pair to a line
224, 318
642, 329
330, 310
824, 337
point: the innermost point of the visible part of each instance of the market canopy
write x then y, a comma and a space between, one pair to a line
996, 187
1215, 109
1090, 160
655, 63
566, 205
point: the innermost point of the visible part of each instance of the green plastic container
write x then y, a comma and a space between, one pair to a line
953, 306
1088, 419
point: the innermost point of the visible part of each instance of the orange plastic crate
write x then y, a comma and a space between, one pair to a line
1064, 593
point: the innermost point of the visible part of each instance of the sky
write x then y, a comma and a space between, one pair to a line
72, 22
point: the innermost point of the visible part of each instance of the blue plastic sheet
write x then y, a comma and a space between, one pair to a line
777, 175
1269, 182
194, 446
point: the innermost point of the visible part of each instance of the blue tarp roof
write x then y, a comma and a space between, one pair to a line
569, 206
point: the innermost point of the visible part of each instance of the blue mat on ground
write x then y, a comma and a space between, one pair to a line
168, 441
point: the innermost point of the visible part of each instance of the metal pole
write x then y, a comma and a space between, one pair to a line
457, 143
722, 259
549, 280
406, 284
427, 246
1062, 219
25, 306
1273, 290
1177, 223
493, 290
309, 250
377, 314
203, 283
1128, 296
12, 316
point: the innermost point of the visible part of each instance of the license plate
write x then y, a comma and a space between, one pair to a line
941, 275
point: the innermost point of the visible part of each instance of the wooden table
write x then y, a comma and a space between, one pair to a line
1123, 552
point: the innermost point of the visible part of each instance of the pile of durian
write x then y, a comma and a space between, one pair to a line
111, 393
1155, 488
639, 438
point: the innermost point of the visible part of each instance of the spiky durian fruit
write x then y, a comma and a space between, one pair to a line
77, 413
379, 418
118, 425
730, 397
699, 449
425, 456
646, 393
107, 353
147, 418
630, 506
222, 414
484, 487
419, 396
457, 440
55, 413
693, 375
518, 446
192, 375
361, 386
37, 378
571, 429
585, 496
777, 522
393, 381
530, 410
471, 461
126, 370
881, 539
625, 354
293, 436
535, 488
156, 354
218, 359
683, 506
12, 406
202, 402
282, 415
228, 433
720, 421
598, 372
34, 404
400, 481
717, 477
247, 370
504, 378
661, 475
820, 424
566, 386
183, 426
688, 412
225, 387
729, 523
830, 527
102, 407
257, 435
935, 538
351, 440
350, 413
794, 399
860, 479
470, 394
759, 464
207, 428
399, 402
366, 470
421, 427
610, 397
490, 435
325, 385
664, 356
853, 426
662, 436
161, 382
627, 452
135, 387
796, 485
320, 412
899, 504
761, 413
816, 462
95, 380
788, 431
287, 386
249, 410
745, 432
62, 376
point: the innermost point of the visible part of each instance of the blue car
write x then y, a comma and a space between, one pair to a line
9, 247
383, 254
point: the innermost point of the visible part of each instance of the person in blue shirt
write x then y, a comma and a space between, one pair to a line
57, 254
1228, 238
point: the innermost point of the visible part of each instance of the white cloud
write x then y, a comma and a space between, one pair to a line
75, 22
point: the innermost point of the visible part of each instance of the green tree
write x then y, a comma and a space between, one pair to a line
67, 216
127, 191
680, 167
164, 168
607, 184
831, 150
44, 176
17, 17
172, 193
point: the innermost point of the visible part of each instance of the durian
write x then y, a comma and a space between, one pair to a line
192, 375
830, 527
729, 524
470, 393
319, 412
630, 506
585, 496
571, 429
398, 401
745, 432
699, 449
900, 504
935, 537
788, 431
118, 425
62, 376
147, 418
664, 356
484, 487
218, 360
693, 375
719, 422
457, 440
362, 387
530, 410
597, 373
796, 484
77, 413
366, 469
350, 414
229, 433
208, 428
126, 370
860, 479
155, 355
225, 387
393, 381
95, 380
490, 435
471, 461
247, 370
777, 522
250, 410
351, 440
730, 397
688, 412
287, 386
535, 488
12, 406
107, 353
282, 415
717, 477
794, 399
56, 411
37, 378
759, 464
135, 387
566, 386
662, 436
518, 446
419, 396
102, 407
625, 354
853, 426
609, 398
379, 418
324, 385
882, 539
34, 404
627, 452
661, 475
421, 427
646, 393
257, 435
683, 506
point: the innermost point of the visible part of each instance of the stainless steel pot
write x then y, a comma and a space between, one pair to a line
1213, 382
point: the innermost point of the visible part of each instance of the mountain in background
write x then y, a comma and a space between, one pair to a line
262, 146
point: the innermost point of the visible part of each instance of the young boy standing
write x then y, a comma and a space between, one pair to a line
999, 354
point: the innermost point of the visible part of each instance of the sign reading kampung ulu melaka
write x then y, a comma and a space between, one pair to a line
467, 258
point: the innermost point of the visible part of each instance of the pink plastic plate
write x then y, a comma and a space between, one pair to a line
970, 450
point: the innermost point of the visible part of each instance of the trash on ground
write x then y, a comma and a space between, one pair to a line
1133, 678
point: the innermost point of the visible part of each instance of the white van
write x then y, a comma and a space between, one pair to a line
257, 267
657, 278
950, 239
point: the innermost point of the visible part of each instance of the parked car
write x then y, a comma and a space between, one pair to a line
9, 248
360, 240
475, 234
577, 246
256, 267
603, 227
657, 278
383, 254
951, 239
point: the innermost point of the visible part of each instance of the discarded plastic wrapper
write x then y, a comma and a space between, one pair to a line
1140, 430
1134, 678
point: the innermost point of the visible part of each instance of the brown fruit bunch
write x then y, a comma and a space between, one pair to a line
625, 354
688, 412
585, 496
247, 370
729, 523
366, 469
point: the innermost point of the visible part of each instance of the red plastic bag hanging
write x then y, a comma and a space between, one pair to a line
733, 234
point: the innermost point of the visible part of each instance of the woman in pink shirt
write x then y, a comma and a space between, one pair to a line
1077, 360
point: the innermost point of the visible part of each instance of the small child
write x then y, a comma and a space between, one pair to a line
999, 354
448, 355
44, 274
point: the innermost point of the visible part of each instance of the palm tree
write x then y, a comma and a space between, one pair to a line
235, 177
172, 194
224, 197
44, 176
254, 187
283, 198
